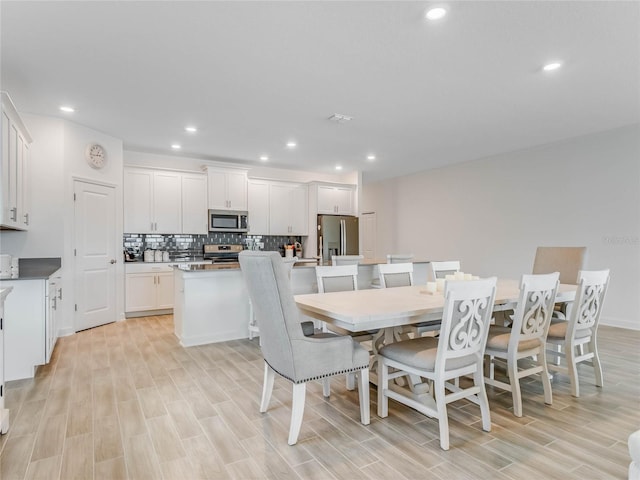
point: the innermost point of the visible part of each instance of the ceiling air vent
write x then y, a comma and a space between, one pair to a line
340, 118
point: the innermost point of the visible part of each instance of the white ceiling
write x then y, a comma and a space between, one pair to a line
253, 75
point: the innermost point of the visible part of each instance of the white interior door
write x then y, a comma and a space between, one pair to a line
369, 235
95, 255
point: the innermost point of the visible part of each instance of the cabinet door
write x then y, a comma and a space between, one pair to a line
2, 429
343, 197
280, 209
50, 327
194, 204
23, 190
258, 193
327, 200
237, 191
138, 201
7, 168
299, 212
217, 190
164, 290
167, 202
140, 291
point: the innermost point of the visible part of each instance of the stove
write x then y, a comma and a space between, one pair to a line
227, 254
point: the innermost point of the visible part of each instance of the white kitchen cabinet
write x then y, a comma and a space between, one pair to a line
258, 193
164, 201
148, 287
54, 305
152, 201
14, 185
31, 334
288, 209
277, 208
194, 204
4, 413
227, 189
336, 200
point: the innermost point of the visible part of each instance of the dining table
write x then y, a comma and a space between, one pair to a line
387, 310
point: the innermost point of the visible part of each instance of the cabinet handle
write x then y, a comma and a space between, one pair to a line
151, 227
112, 261
14, 215
55, 303
154, 279
26, 219
60, 294
158, 280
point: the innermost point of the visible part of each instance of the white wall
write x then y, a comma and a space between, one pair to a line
57, 157
492, 213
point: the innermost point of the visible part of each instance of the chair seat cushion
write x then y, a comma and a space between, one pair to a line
558, 331
499, 339
420, 353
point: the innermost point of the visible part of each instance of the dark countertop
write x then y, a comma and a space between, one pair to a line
37, 268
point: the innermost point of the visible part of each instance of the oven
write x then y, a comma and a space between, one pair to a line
223, 255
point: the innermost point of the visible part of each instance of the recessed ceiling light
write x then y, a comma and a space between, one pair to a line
190, 129
549, 67
436, 13
371, 157
338, 167
291, 144
264, 158
176, 146
67, 109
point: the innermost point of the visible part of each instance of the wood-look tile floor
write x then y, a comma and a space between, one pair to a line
125, 401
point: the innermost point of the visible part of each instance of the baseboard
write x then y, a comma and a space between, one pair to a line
65, 332
205, 339
620, 323
149, 313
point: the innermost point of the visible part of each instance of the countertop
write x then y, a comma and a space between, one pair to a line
37, 268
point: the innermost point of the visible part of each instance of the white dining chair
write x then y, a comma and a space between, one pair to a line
339, 279
442, 269
525, 339
395, 274
576, 339
338, 260
391, 258
286, 350
458, 351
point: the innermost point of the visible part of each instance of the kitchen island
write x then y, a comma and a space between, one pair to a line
211, 303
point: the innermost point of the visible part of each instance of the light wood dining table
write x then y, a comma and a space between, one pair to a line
389, 309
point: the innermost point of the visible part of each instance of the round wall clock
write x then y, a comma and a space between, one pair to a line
95, 155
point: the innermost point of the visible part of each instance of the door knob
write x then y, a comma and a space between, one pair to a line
112, 261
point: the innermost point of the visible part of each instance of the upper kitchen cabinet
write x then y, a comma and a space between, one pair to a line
336, 199
227, 189
277, 208
14, 198
152, 201
194, 204
288, 209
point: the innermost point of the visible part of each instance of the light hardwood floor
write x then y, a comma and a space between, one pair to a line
125, 401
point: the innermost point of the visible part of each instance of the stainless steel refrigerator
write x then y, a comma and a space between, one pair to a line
337, 235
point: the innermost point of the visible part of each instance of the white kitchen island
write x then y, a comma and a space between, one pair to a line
211, 303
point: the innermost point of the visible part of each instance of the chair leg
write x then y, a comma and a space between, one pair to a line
363, 394
267, 387
483, 401
572, 369
443, 419
558, 349
596, 362
512, 368
326, 387
383, 384
297, 411
351, 381
546, 382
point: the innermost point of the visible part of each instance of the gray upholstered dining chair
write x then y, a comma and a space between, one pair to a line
286, 349
337, 260
566, 260
457, 352
391, 258
575, 339
526, 338
395, 275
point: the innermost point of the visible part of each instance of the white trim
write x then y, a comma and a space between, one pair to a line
620, 323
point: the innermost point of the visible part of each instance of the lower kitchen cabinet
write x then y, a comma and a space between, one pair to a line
4, 413
148, 288
31, 335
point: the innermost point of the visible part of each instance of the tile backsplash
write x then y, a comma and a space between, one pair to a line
192, 245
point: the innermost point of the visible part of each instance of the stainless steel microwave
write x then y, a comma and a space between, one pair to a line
228, 221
